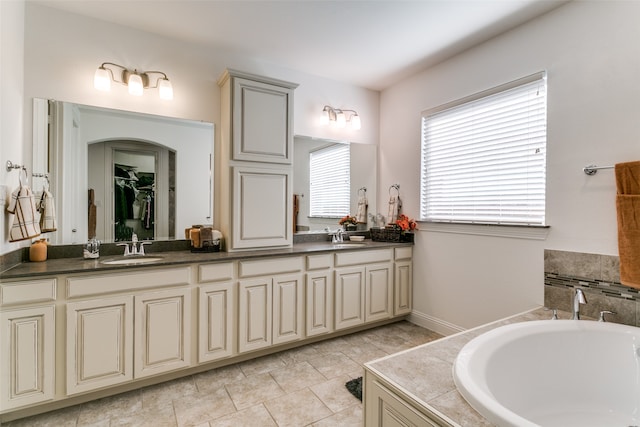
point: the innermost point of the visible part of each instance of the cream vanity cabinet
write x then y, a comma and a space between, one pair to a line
216, 311
403, 282
270, 303
124, 326
319, 295
27, 342
256, 161
363, 287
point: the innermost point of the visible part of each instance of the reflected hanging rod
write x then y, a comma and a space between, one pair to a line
593, 169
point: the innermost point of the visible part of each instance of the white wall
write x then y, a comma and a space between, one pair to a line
11, 106
63, 50
592, 55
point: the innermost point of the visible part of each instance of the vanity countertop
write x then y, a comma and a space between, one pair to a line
425, 373
80, 265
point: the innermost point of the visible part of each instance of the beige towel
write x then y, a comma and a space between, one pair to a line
361, 215
23, 207
47, 210
628, 212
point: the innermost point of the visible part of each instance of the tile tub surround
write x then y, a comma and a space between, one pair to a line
425, 373
297, 387
599, 277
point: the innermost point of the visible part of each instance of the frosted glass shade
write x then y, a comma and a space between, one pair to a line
341, 120
355, 122
135, 85
165, 89
102, 79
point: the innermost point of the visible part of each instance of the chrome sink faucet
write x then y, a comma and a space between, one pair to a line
135, 250
578, 299
338, 236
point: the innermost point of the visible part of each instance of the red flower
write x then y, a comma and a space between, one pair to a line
405, 223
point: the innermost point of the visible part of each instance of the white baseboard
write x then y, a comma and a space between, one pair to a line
434, 324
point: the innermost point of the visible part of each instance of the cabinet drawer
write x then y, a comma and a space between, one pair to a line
316, 262
362, 257
215, 272
28, 291
403, 253
270, 266
120, 282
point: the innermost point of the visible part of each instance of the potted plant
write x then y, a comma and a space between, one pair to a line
348, 222
406, 225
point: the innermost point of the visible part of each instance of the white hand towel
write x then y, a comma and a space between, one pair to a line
47, 213
23, 207
361, 215
394, 209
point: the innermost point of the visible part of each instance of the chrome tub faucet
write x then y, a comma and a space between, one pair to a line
578, 299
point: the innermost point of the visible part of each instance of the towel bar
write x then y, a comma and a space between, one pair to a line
593, 169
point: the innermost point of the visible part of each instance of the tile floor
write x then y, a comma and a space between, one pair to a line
298, 387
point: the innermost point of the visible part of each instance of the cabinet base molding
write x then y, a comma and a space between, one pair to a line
64, 402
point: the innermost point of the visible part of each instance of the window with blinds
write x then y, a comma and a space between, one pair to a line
330, 183
484, 157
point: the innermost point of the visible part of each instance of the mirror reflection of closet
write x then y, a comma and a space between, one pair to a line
133, 186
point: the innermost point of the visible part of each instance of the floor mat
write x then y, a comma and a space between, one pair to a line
355, 387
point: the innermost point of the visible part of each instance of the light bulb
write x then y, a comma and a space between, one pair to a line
355, 122
165, 89
324, 118
341, 120
135, 85
102, 79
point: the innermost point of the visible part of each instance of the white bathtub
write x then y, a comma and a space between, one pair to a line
560, 373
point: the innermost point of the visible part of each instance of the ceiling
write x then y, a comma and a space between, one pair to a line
368, 43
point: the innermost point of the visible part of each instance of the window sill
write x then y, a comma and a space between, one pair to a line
493, 230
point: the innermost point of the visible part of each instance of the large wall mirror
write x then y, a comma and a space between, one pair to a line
354, 165
114, 173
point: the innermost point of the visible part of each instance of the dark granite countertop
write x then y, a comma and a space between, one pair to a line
79, 265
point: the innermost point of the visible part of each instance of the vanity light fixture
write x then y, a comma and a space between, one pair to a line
340, 117
135, 80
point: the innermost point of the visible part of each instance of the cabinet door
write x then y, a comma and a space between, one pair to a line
162, 331
254, 314
27, 356
383, 408
378, 292
402, 285
349, 297
99, 343
287, 308
216, 318
262, 206
262, 125
319, 287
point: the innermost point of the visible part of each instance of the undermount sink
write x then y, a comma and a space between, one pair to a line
132, 260
348, 245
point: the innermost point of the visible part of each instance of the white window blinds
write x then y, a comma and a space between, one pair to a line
484, 158
330, 184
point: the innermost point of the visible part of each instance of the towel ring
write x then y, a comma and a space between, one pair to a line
397, 188
363, 190
23, 171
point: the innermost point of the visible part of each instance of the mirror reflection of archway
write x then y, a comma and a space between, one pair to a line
132, 186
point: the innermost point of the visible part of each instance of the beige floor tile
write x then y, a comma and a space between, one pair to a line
331, 346
334, 365
257, 416
203, 407
253, 389
300, 354
334, 394
216, 378
67, 417
95, 412
365, 352
161, 416
349, 417
261, 365
297, 409
296, 377
161, 394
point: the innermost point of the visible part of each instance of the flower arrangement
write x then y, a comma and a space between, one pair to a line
405, 223
348, 220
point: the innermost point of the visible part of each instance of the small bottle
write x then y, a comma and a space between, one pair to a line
38, 251
92, 249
